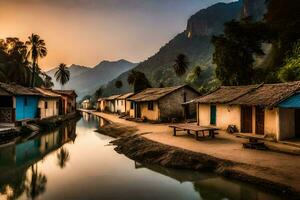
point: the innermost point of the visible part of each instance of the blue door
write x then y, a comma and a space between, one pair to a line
213, 114
26, 107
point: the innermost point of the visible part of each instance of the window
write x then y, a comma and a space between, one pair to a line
46, 105
150, 105
131, 105
25, 101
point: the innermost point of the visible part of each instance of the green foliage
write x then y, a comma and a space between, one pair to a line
235, 50
62, 74
48, 82
181, 65
291, 70
118, 84
283, 19
37, 50
99, 93
138, 80
14, 64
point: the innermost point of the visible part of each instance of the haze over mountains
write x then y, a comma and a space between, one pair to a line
195, 42
85, 80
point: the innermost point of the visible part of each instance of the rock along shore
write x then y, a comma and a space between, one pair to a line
147, 151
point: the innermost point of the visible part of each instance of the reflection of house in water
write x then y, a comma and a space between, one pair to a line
17, 160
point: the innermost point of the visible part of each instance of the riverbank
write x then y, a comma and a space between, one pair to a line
277, 171
33, 127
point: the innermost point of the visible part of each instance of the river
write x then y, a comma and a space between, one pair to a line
74, 162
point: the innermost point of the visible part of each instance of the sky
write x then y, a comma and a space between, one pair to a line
85, 32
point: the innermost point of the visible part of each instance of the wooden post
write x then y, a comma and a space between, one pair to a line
174, 131
196, 135
189, 132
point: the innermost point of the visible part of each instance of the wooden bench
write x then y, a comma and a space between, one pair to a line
197, 129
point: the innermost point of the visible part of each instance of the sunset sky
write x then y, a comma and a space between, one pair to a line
87, 31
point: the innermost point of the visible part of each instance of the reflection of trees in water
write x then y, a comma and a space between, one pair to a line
35, 184
63, 156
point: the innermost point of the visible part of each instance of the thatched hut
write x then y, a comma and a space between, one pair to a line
266, 109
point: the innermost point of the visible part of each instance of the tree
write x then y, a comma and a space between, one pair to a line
181, 65
62, 75
284, 20
37, 50
197, 71
235, 50
291, 70
118, 84
138, 80
63, 156
48, 82
99, 93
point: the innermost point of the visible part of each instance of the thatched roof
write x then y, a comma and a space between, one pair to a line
15, 89
269, 95
70, 93
48, 93
154, 94
226, 94
4, 93
125, 96
113, 97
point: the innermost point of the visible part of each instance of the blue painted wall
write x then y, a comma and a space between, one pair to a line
292, 102
26, 111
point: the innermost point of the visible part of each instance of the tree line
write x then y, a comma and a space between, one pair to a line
19, 63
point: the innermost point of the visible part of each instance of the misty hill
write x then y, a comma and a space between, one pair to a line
86, 80
194, 42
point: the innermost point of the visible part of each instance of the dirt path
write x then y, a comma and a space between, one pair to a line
276, 167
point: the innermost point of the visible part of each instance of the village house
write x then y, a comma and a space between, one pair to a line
101, 104
48, 103
163, 104
18, 103
111, 103
67, 103
122, 104
85, 104
268, 109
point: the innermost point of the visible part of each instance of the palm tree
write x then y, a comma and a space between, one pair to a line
181, 65
197, 71
37, 50
62, 75
63, 156
118, 84
36, 185
138, 80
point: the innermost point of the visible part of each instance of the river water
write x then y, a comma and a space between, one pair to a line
74, 162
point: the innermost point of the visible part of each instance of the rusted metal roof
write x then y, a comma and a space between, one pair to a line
48, 93
15, 89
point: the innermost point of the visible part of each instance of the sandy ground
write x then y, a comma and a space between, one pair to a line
277, 167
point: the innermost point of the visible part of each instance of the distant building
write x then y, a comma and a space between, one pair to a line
101, 104
111, 103
163, 104
48, 103
68, 101
86, 104
18, 103
266, 109
122, 103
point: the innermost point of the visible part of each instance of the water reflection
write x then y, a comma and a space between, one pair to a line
63, 156
19, 168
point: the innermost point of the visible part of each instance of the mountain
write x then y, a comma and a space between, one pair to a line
86, 80
75, 70
193, 42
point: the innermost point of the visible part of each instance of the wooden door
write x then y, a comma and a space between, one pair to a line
138, 110
213, 115
259, 120
246, 119
297, 123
